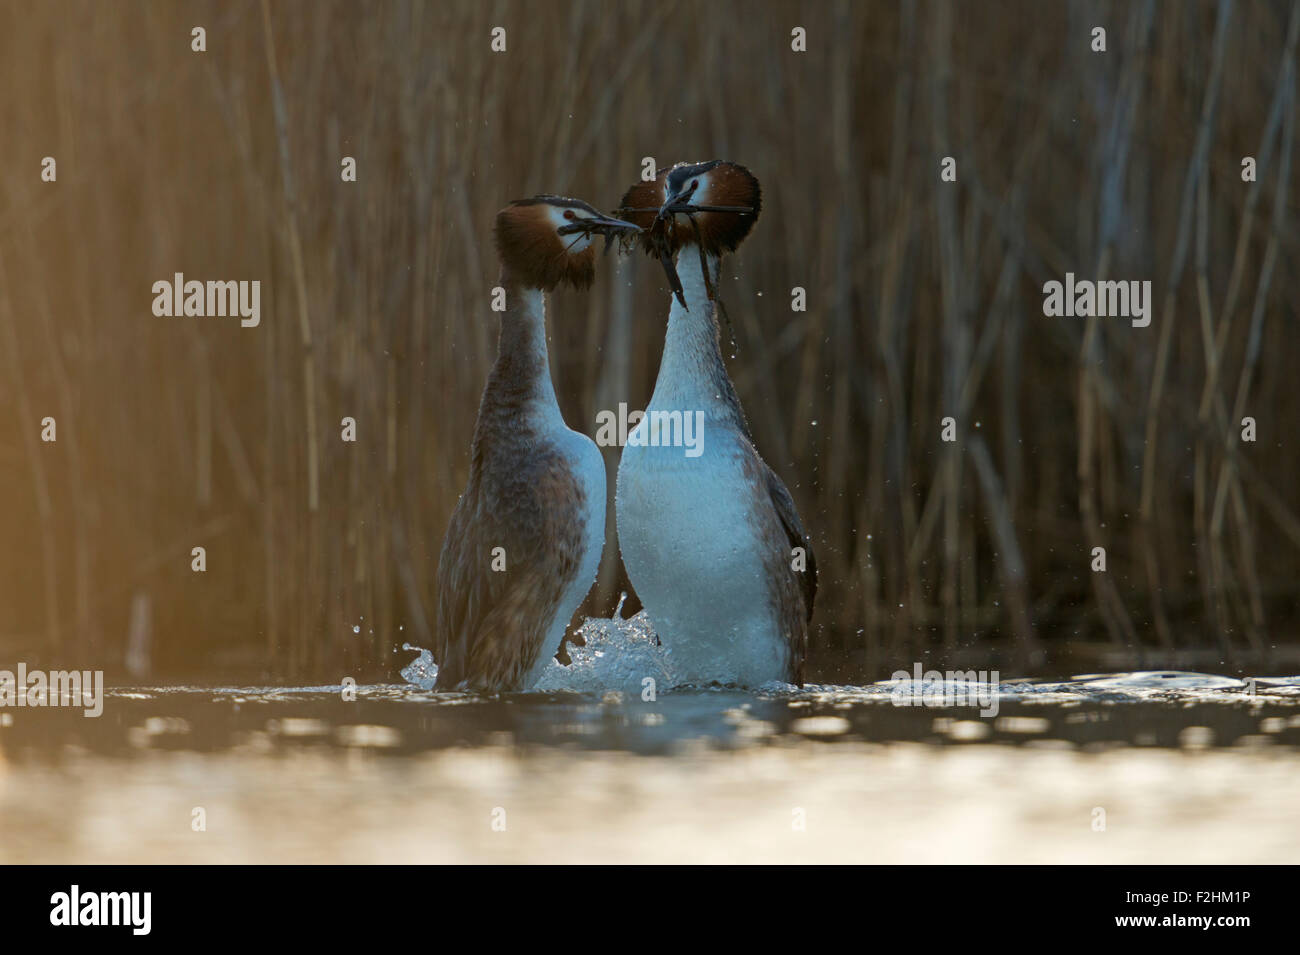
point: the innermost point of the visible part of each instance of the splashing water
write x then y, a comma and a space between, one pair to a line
620, 655
617, 655
422, 671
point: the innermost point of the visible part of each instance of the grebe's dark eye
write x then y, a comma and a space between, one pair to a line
568, 214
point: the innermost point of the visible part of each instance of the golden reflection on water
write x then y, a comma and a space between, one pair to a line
895, 802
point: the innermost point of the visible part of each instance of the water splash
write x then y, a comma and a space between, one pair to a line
421, 671
619, 655
616, 655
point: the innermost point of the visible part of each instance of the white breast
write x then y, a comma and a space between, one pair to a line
691, 552
687, 524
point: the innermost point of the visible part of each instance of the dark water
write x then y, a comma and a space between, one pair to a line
1183, 767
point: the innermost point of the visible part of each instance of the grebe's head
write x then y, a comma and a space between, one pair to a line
546, 241
710, 204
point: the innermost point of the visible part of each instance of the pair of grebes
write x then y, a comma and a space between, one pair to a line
712, 543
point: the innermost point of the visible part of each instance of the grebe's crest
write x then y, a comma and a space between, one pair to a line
726, 196
546, 242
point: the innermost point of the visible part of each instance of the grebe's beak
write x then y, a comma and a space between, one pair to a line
681, 202
600, 225
607, 226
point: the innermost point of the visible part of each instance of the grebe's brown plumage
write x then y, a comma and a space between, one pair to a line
533, 251
718, 202
535, 498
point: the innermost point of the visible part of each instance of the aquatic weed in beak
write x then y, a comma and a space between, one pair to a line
608, 226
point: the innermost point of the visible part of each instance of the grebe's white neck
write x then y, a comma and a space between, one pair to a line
692, 375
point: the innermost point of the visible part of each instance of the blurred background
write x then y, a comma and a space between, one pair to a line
924, 301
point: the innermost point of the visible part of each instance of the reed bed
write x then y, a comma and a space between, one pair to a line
925, 301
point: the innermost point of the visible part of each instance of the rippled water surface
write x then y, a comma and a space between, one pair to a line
1118, 768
